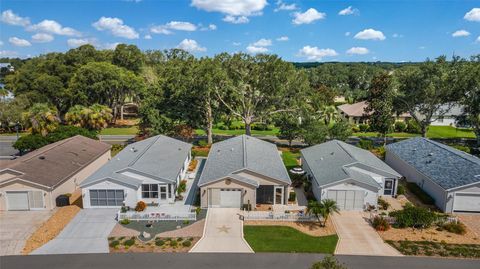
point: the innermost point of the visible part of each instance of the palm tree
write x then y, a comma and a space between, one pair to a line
329, 114
42, 118
329, 207
99, 116
76, 116
315, 208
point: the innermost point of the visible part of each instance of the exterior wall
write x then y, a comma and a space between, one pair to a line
446, 121
371, 193
451, 195
129, 193
21, 186
249, 195
412, 175
260, 179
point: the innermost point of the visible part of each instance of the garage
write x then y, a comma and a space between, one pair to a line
227, 198
347, 199
466, 202
17, 200
106, 197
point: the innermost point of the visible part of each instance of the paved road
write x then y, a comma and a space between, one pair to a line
357, 237
16, 227
223, 232
230, 261
86, 233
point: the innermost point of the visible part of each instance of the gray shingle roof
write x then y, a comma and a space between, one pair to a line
243, 152
446, 166
333, 161
159, 157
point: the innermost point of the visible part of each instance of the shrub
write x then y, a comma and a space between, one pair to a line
198, 210
130, 242
415, 217
125, 221
422, 195
173, 243
236, 125
202, 143
292, 196
363, 127
114, 243
462, 148
355, 129
30, 142
413, 127
186, 222
383, 204
182, 187
329, 262
400, 126
262, 127
365, 144
180, 239
457, 228
187, 243
141, 206
401, 190
380, 223
190, 239
159, 242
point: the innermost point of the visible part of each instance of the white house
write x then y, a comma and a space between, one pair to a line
353, 177
149, 170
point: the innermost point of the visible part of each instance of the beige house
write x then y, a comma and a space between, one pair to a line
243, 171
355, 113
35, 180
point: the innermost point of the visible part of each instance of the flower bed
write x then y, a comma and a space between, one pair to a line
159, 244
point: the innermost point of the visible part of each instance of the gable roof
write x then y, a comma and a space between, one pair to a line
52, 164
354, 110
448, 167
243, 153
158, 157
335, 161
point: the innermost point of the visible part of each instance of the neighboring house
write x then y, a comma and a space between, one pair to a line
450, 118
351, 176
355, 113
149, 170
7, 66
35, 180
451, 177
243, 170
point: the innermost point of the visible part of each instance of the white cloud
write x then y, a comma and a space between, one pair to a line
8, 53
358, 51
210, 27
348, 11
19, 42
282, 6
473, 15
263, 43
422, 47
191, 46
316, 54
370, 34
283, 38
160, 29
42, 38
11, 18
255, 49
116, 27
1, 43
395, 35
347, 33
478, 39
53, 27
77, 42
236, 20
236, 43
461, 33
147, 37
168, 28
181, 26
231, 7
308, 16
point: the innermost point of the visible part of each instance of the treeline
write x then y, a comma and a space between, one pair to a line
177, 92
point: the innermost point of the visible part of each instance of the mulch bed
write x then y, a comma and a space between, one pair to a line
157, 245
428, 248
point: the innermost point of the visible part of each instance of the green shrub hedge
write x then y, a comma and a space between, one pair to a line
414, 217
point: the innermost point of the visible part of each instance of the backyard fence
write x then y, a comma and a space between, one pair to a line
156, 216
277, 216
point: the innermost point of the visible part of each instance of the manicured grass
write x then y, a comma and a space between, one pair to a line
433, 132
289, 158
287, 239
130, 130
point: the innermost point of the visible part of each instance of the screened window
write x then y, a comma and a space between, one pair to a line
149, 190
106, 197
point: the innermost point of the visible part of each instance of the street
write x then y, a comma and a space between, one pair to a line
216, 260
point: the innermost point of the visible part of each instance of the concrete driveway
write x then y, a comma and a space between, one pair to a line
17, 226
86, 233
223, 232
357, 237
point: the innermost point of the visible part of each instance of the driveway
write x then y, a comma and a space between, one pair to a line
223, 232
17, 226
357, 237
86, 233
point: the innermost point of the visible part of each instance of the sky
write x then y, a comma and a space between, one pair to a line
299, 31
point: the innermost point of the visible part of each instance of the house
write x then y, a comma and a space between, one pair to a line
7, 66
35, 180
451, 177
149, 170
447, 115
353, 177
243, 171
355, 113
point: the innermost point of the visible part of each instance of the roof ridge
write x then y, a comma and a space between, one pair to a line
344, 149
143, 152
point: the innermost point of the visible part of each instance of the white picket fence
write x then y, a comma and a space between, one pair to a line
156, 216
277, 216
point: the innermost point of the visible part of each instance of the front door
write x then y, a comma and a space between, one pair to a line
163, 192
279, 195
388, 188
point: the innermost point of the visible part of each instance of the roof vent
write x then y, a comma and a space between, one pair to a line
232, 149
430, 154
42, 157
133, 149
331, 153
415, 149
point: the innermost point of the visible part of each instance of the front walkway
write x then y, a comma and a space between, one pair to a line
223, 232
357, 237
86, 233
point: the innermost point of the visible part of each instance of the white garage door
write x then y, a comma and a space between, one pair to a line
17, 200
230, 198
347, 200
466, 202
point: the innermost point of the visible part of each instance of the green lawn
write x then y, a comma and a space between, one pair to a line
275, 131
287, 239
290, 158
433, 132
130, 130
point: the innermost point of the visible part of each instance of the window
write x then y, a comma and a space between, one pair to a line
388, 189
149, 190
106, 197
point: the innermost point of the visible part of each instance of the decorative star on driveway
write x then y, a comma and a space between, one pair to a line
223, 229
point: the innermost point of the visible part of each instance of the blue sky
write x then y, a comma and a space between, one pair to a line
296, 30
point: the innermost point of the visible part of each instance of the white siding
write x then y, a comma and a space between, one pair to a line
371, 194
